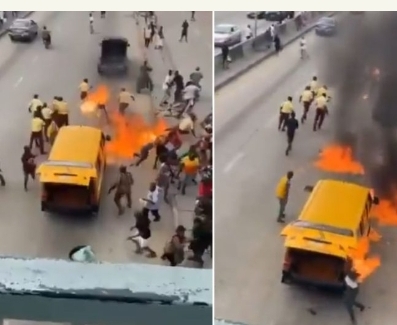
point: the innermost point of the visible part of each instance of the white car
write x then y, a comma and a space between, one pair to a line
227, 34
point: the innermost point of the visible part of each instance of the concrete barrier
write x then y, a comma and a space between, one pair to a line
288, 31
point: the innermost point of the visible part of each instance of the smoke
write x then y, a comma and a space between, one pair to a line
360, 63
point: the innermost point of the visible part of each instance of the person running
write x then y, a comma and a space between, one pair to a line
286, 109
142, 234
321, 111
174, 248
291, 125
306, 99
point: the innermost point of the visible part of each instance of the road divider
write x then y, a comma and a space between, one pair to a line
250, 53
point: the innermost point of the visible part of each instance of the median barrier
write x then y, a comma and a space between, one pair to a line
257, 49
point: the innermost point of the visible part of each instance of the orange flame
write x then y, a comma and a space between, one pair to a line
100, 96
338, 159
364, 265
131, 133
386, 213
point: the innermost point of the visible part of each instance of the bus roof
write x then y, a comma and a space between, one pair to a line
76, 143
336, 204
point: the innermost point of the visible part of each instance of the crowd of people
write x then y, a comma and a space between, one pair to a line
179, 169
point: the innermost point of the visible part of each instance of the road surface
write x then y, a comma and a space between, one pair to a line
27, 69
249, 161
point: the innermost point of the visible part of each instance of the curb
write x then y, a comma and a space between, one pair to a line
25, 15
252, 65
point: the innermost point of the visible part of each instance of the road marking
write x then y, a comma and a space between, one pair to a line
18, 82
233, 162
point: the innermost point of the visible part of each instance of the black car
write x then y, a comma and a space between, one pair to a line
23, 30
113, 60
275, 16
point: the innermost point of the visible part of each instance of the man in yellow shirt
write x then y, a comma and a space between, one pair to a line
55, 103
63, 112
84, 88
321, 111
46, 114
286, 109
34, 103
124, 100
189, 166
323, 90
314, 86
36, 135
52, 131
306, 99
282, 194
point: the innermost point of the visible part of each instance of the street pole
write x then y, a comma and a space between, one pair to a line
256, 25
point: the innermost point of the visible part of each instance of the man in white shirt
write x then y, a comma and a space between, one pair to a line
167, 87
248, 32
91, 17
272, 30
303, 48
152, 202
350, 295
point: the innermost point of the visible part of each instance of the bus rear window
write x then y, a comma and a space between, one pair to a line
325, 228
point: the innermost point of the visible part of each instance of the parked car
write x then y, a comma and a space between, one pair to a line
326, 26
276, 16
23, 30
227, 34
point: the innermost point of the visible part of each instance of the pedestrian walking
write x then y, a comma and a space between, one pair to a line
291, 125
303, 48
248, 32
277, 44
184, 32
147, 35
225, 56
282, 194
350, 295
28, 166
91, 22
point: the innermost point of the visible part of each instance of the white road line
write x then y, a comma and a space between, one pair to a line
18, 82
233, 162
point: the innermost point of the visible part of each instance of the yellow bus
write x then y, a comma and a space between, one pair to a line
72, 177
331, 224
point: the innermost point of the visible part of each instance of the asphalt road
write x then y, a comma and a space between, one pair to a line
29, 68
249, 161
